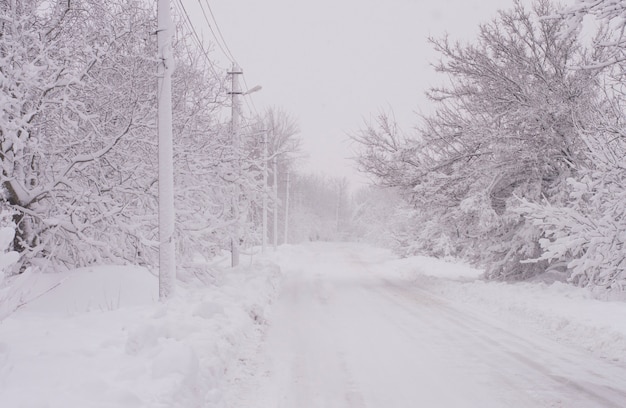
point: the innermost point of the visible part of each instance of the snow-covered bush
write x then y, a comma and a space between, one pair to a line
587, 234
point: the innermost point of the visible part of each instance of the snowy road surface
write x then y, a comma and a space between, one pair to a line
343, 334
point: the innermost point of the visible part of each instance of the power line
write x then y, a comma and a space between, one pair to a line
187, 21
224, 48
223, 45
217, 26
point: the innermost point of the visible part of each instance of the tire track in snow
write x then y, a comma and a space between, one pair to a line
342, 337
324, 293
306, 367
602, 393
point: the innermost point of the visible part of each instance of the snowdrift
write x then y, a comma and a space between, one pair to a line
568, 314
98, 337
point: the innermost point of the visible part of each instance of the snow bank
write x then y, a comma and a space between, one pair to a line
7, 258
97, 337
568, 314
8, 299
98, 288
423, 265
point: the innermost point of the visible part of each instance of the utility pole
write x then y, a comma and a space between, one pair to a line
265, 192
235, 92
338, 208
275, 186
167, 216
287, 208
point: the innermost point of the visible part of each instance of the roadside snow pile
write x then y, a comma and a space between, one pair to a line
7, 258
99, 338
8, 300
424, 265
568, 314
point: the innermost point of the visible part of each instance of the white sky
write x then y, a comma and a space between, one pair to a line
333, 63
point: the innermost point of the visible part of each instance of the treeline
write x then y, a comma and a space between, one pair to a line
521, 168
78, 138
320, 209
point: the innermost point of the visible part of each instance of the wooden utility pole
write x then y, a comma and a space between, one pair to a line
236, 144
167, 215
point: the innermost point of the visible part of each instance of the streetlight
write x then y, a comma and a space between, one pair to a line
253, 90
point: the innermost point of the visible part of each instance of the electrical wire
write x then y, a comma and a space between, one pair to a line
219, 31
187, 21
227, 52
219, 40
224, 47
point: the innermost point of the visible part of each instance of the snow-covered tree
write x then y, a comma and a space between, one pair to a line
283, 149
78, 98
321, 208
504, 127
66, 72
610, 43
379, 217
584, 235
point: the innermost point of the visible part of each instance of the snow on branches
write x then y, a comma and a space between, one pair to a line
521, 166
77, 145
587, 234
611, 16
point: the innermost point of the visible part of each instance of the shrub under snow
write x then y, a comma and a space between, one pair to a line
588, 233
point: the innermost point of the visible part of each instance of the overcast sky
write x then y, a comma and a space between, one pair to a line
334, 63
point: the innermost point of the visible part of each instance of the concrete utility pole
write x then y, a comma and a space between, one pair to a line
338, 207
236, 144
264, 239
287, 208
167, 215
275, 186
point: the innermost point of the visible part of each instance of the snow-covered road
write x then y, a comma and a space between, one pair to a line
345, 334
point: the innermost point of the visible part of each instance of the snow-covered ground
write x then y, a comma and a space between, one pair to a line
567, 314
355, 327
352, 326
100, 338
